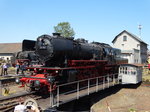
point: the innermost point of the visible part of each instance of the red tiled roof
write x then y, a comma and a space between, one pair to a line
10, 47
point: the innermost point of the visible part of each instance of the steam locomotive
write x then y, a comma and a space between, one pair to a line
67, 60
27, 55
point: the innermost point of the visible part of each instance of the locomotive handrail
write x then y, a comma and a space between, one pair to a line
77, 81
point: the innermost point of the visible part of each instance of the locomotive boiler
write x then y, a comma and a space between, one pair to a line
56, 50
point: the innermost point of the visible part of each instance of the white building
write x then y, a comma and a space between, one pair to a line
7, 49
132, 47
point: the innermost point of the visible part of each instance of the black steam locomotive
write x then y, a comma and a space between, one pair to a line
27, 54
66, 60
56, 50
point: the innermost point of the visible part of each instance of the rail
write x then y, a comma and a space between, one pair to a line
91, 85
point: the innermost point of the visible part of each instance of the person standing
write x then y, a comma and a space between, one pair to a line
17, 68
23, 68
5, 67
1, 69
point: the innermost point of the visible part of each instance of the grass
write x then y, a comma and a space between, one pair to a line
146, 71
146, 75
11, 70
146, 79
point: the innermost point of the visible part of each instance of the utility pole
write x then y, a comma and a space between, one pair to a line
140, 27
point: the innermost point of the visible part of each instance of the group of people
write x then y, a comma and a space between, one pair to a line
21, 67
18, 67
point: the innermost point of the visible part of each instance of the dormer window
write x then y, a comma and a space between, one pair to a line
124, 38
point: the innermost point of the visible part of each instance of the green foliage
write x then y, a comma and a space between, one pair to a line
132, 110
2, 61
65, 29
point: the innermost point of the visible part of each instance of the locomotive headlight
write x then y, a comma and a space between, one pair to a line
17, 80
50, 79
37, 83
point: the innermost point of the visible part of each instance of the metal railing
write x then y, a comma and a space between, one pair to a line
91, 85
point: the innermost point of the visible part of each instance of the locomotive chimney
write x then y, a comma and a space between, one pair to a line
56, 34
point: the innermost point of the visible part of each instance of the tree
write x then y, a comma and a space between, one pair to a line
65, 29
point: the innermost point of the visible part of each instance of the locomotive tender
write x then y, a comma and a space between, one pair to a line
67, 60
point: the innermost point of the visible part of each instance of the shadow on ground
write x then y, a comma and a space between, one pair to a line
84, 103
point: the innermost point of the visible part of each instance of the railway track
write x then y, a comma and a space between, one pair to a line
8, 104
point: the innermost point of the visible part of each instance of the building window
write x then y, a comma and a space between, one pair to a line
124, 38
122, 45
138, 45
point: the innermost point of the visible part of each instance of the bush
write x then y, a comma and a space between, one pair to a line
132, 110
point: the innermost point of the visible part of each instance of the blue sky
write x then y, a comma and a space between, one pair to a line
94, 20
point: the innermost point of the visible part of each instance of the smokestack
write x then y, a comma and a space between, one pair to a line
56, 34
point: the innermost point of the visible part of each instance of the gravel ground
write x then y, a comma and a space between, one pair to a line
12, 89
135, 99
